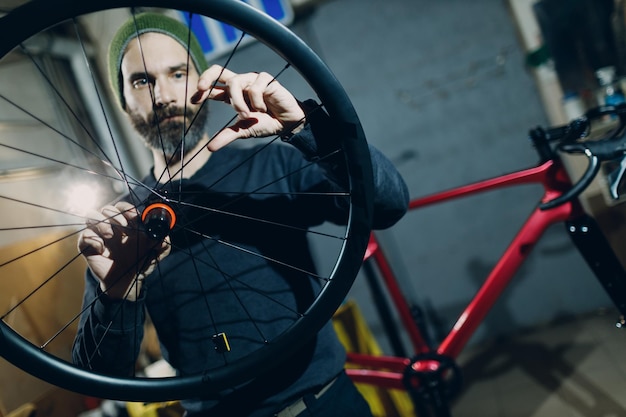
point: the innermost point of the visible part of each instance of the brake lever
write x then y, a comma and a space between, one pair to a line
615, 177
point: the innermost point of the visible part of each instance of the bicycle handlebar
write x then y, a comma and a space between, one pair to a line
609, 148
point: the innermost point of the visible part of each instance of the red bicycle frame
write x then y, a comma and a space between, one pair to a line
431, 376
389, 371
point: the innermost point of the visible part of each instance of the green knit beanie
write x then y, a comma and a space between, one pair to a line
144, 23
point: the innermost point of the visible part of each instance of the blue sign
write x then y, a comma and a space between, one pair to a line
217, 38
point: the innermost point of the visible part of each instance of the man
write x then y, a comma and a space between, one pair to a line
192, 287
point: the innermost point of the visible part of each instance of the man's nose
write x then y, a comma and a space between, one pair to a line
164, 94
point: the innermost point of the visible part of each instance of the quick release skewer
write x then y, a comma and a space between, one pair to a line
158, 219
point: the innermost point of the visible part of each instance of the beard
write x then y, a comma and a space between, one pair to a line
172, 136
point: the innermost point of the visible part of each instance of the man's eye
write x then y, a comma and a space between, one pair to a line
179, 75
140, 83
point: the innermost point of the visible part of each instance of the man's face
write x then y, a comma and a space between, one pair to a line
159, 79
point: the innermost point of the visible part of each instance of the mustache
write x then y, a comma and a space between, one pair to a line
160, 114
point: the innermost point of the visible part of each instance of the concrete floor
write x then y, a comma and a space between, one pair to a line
573, 368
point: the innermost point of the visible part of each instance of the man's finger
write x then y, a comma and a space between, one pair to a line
90, 243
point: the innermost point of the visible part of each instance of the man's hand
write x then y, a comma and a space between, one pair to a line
118, 253
264, 107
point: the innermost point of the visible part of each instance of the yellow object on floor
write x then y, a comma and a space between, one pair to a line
159, 409
356, 336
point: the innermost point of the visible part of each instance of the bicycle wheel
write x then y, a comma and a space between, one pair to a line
60, 145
